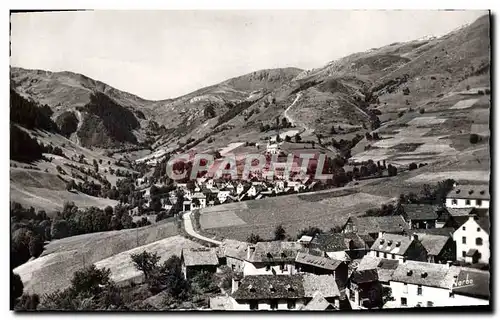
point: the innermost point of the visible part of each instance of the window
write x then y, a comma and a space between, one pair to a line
393, 256
385, 254
274, 304
478, 229
463, 228
463, 254
452, 295
377, 253
405, 288
268, 267
430, 304
478, 202
479, 241
254, 305
291, 304
232, 267
454, 201
467, 202
464, 240
419, 290
403, 302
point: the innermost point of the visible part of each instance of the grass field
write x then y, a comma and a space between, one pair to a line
323, 209
61, 258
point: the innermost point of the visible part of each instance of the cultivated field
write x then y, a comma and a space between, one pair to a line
324, 209
61, 258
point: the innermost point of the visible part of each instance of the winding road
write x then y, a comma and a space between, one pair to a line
305, 129
188, 226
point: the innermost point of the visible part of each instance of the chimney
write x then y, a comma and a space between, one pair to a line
235, 283
250, 251
337, 303
381, 234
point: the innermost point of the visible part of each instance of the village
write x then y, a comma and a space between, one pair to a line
422, 258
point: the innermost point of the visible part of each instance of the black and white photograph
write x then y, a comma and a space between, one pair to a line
250, 160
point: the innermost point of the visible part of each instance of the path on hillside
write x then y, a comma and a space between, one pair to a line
78, 126
188, 226
306, 130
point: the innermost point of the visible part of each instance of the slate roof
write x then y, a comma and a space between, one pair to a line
317, 303
434, 231
433, 244
458, 212
332, 242
275, 251
385, 267
392, 243
366, 225
324, 284
200, 257
234, 249
319, 262
484, 223
473, 283
420, 211
470, 192
364, 276
422, 273
257, 287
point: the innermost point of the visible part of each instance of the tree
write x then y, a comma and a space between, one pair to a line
254, 238
298, 138
145, 262
36, 246
71, 185
16, 288
209, 111
332, 130
474, 138
279, 233
368, 136
309, 231
59, 229
28, 302
406, 91
90, 280
392, 170
204, 282
288, 138
421, 110
412, 166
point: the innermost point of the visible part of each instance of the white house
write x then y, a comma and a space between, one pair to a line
473, 240
423, 284
239, 188
202, 200
273, 148
222, 195
469, 196
252, 192
399, 247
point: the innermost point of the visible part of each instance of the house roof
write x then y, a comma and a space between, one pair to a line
275, 251
305, 238
433, 244
200, 257
316, 261
421, 273
472, 282
366, 225
420, 211
332, 242
484, 223
385, 267
324, 284
220, 303
457, 212
257, 287
434, 231
364, 276
470, 192
317, 303
392, 243
234, 249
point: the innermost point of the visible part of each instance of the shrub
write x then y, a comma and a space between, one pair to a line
412, 166
480, 92
400, 114
487, 91
279, 233
406, 91
254, 238
468, 87
474, 138
422, 110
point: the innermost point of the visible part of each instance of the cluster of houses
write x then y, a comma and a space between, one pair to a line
425, 257
206, 192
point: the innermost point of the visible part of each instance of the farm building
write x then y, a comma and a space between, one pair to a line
400, 247
308, 263
473, 240
385, 267
373, 225
440, 248
331, 243
234, 253
275, 257
469, 196
196, 260
364, 289
420, 216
